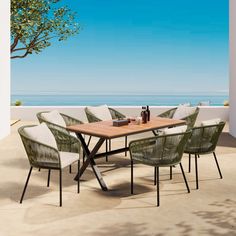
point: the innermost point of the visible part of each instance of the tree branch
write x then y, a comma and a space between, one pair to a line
22, 56
14, 44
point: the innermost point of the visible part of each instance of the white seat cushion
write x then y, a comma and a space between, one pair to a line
42, 134
73, 134
175, 130
183, 111
67, 158
211, 122
101, 112
54, 117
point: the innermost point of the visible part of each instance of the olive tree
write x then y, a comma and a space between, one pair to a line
35, 24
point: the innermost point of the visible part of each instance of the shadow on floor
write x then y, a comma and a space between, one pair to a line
227, 140
126, 229
222, 216
13, 191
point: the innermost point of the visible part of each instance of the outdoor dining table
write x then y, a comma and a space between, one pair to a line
105, 130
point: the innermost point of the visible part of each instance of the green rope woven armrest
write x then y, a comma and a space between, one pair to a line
168, 114
161, 150
92, 118
39, 154
65, 141
116, 114
70, 120
204, 139
190, 120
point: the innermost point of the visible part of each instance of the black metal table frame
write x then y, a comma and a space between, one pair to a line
92, 155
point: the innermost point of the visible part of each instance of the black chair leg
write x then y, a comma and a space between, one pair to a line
155, 175
189, 163
196, 170
27, 180
60, 185
70, 169
109, 144
158, 187
170, 172
185, 180
39, 169
106, 149
132, 177
78, 181
49, 173
218, 167
126, 140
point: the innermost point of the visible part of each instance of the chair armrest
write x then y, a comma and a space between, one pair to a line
70, 120
191, 119
41, 155
168, 114
204, 138
90, 116
141, 144
162, 149
62, 136
116, 114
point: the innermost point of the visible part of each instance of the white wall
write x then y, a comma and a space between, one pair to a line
28, 113
232, 88
4, 68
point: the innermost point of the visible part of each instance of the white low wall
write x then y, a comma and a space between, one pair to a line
28, 113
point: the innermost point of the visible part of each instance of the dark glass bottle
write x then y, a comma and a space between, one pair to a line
148, 113
144, 115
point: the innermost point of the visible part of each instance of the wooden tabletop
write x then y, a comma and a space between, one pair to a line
105, 129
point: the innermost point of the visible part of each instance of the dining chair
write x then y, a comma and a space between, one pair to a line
202, 141
41, 149
190, 119
57, 123
164, 150
114, 114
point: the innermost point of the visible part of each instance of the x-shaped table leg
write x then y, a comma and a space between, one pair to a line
90, 160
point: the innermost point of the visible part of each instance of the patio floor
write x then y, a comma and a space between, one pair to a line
211, 210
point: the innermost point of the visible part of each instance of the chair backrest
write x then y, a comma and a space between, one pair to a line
164, 149
40, 155
92, 118
190, 120
204, 138
42, 119
169, 113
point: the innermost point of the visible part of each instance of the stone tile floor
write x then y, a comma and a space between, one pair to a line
211, 210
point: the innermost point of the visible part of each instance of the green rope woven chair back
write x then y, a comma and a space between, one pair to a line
168, 114
36, 151
92, 118
65, 141
49, 124
163, 150
68, 120
190, 120
204, 138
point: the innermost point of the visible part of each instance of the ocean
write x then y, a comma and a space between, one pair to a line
117, 100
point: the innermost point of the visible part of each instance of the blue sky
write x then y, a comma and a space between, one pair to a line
134, 47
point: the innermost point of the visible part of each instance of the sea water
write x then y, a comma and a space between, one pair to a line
117, 100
